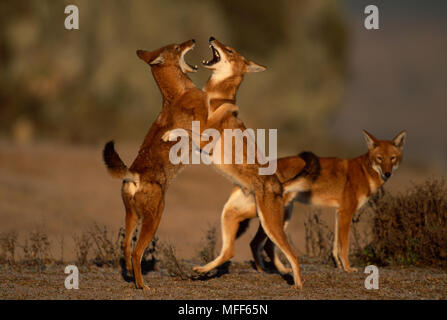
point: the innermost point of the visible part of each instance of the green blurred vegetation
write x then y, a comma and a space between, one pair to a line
87, 85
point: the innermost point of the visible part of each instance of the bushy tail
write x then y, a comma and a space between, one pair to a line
306, 177
312, 167
114, 164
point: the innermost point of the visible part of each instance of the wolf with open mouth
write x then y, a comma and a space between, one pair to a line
145, 182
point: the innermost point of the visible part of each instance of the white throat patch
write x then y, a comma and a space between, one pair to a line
222, 71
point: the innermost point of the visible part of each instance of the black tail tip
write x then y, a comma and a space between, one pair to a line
307, 154
312, 167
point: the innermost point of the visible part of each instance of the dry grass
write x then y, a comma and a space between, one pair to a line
82, 248
207, 253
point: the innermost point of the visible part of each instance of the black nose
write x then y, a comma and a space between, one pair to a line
193, 40
212, 38
387, 174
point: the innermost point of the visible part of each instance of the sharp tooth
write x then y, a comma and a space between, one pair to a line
203, 61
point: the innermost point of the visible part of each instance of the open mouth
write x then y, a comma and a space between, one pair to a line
214, 60
186, 67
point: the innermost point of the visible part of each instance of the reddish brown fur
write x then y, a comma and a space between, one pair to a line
148, 177
345, 184
258, 187
143, 193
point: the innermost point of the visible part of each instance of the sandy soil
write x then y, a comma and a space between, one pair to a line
237, 281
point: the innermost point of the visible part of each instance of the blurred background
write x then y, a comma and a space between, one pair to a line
63, 94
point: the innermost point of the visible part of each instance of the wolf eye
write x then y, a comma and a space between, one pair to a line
393, 158
379, 158
229, 51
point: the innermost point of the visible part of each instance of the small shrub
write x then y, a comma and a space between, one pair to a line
206, 254
82, 248
106, 248
36, 249
172, 264
410, 228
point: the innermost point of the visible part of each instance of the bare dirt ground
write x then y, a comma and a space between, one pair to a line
238, 281
62, 190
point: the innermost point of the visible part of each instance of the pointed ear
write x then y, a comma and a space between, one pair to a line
371, 141
151, 57
254, 67
399, 140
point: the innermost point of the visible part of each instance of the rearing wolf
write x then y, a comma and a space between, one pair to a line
145, 181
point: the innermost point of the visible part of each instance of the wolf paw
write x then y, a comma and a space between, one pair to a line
284, 270
145, 287
200, 269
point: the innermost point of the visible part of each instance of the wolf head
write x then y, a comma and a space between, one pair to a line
227, 62
170, 55
385, 155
